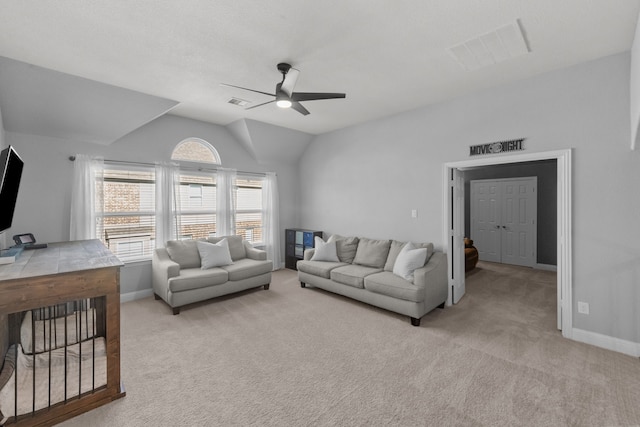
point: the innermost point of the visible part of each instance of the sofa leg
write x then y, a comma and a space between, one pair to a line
441, 305
266, 287
303, 285
415, 322
176, 310
156, 297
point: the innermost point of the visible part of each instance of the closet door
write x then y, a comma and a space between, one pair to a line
519, 209
503, 220
485, 219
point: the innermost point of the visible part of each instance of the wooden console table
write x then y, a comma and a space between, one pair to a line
64, 272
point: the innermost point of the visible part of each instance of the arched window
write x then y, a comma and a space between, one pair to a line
196, 150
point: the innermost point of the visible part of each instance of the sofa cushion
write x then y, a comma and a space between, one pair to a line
372, 253
324, 251
395, 249
184, 252
409, 259
245, 268
318, 268
195, 278
387, 283
213, 254
236, 247
352, 275
346, 247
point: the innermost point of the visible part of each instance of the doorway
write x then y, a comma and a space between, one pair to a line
453, 225
503, 219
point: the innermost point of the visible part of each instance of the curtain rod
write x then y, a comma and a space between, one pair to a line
198, 168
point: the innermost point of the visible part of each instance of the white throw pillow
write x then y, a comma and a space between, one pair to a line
325, 251
409, 259
214, 254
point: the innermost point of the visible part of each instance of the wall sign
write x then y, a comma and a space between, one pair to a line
497, 147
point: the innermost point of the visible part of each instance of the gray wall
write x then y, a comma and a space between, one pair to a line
364, 180
43, 206
635, 88
547, 203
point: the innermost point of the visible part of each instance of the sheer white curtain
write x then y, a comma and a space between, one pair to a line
167, 203
87, 198
271, 219
225, 202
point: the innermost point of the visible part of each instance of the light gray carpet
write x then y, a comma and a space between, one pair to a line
294, 357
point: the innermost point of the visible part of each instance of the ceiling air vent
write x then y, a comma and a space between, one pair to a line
490, 48
239, 102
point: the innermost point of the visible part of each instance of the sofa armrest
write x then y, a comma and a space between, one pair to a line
162, 269
433, 279
308, 253
253, 253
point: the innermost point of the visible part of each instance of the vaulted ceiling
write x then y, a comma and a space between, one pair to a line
387, 56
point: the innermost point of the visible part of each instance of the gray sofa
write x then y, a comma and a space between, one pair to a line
178, 279
365, 273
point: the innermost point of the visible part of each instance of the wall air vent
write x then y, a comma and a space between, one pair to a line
239, 102
490, 48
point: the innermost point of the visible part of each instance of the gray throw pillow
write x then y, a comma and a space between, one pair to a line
372, 253
345, 246
184, 252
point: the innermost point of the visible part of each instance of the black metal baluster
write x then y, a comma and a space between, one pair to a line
51, 320
79, 340
33, 352
65, 351
93, 343
15, 383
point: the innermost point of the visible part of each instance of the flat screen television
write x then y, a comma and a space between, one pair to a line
11, 166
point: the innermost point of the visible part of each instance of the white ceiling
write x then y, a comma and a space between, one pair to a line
387, 56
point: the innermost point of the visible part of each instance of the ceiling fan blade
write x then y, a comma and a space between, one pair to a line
260, 105
312, 96
250, 90
290, 80
299, 108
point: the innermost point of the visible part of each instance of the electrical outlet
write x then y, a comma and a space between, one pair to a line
583, 307
414, 213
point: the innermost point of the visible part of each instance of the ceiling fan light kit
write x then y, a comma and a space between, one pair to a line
285, 97
284, 103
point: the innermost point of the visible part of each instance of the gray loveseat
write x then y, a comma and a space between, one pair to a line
179, 280
364, 272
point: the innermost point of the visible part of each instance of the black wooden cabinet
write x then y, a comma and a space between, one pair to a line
296, 241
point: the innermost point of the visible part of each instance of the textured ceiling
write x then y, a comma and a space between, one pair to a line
388, 56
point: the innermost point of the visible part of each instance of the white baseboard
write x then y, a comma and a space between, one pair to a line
132, 296
547, 267
605, 341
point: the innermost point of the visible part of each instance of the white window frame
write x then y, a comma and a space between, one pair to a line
256, 210
151, 213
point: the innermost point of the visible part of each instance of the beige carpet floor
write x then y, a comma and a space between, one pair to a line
296, 357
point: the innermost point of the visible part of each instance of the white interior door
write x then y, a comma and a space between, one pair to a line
485, 219
454, 220
458, 289
503, 220
519, 211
